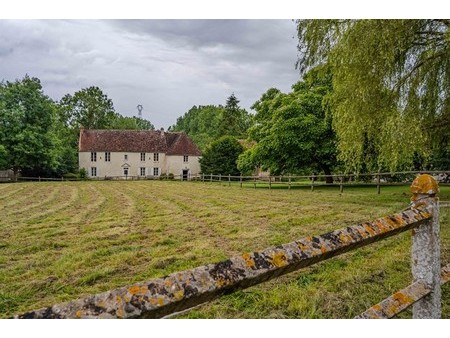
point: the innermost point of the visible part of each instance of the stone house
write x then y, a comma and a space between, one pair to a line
143, 153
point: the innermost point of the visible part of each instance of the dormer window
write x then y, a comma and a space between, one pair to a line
125, 157
156, 157
142, 157
93, 156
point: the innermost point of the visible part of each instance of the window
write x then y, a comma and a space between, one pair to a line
155, 171
125, 157
125, 171
93, 171
142, 156
185, 158
156, 157
107, 156
142, 171
93, 157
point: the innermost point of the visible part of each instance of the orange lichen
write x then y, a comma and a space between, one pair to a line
119, 312
78, 314
138, 290
178, 295
279, 259
425, 185
248, 260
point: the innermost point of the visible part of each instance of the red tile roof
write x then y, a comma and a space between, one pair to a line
148, 141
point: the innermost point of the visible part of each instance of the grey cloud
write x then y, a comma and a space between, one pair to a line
165, 65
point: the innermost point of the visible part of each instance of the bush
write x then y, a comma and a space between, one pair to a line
171, 176
163, 176
82, 173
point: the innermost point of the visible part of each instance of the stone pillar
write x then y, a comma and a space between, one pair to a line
425, 257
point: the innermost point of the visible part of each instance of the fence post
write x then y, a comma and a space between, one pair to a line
289, 182
341, 184
425, 256
240, 180
220, 179
312, 182
254, 181
210, 178
378, 183
270, 182
229, 180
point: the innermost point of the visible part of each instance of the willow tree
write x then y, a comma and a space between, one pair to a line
391, 84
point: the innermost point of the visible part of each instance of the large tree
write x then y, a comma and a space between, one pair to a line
391, 86
235, 120
27, 135
220, 156
292, 131
89, 108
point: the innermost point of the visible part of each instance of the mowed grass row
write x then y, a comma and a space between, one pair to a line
63, 240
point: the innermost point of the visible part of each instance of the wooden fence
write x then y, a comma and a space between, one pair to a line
161, 297
315, 181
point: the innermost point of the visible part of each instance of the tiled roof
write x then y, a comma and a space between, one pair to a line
148, 141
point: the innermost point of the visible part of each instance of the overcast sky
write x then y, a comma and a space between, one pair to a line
167, 66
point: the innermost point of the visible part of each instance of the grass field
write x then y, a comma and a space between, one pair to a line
63, 240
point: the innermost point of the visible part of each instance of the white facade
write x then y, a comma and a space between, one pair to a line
97, 164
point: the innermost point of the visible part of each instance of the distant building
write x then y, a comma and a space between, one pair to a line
144, 153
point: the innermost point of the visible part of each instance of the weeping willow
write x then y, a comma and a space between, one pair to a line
391, 82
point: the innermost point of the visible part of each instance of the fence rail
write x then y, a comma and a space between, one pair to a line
179, 291
377, 180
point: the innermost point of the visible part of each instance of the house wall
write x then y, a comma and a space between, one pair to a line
175, 165
166, 164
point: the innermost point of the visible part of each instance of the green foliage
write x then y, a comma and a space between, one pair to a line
391, 87
82, 173
201, 124
235, 121
204, 124
133, 123
88, 108
27, 115
221, 156
292, 130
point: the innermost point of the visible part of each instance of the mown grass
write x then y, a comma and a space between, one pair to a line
63, 240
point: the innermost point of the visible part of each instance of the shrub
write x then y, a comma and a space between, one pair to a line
82, 173
171, 176
163, 176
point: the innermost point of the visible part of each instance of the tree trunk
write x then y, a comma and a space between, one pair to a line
328, 178
15, 173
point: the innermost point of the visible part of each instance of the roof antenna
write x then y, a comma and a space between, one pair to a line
139, 108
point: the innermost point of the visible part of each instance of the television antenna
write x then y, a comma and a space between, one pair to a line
139, 108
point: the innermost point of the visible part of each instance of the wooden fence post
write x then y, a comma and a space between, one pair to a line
220, 178
425, 254
210, 178
378, 183
240, 180
341, 183
312, 182
289, 182
254, 181
229, 180
270, 182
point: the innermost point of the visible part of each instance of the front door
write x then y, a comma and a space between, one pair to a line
185, 174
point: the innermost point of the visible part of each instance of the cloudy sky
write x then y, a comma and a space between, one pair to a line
165, 65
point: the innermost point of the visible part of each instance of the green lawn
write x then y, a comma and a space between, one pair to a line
63, 240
